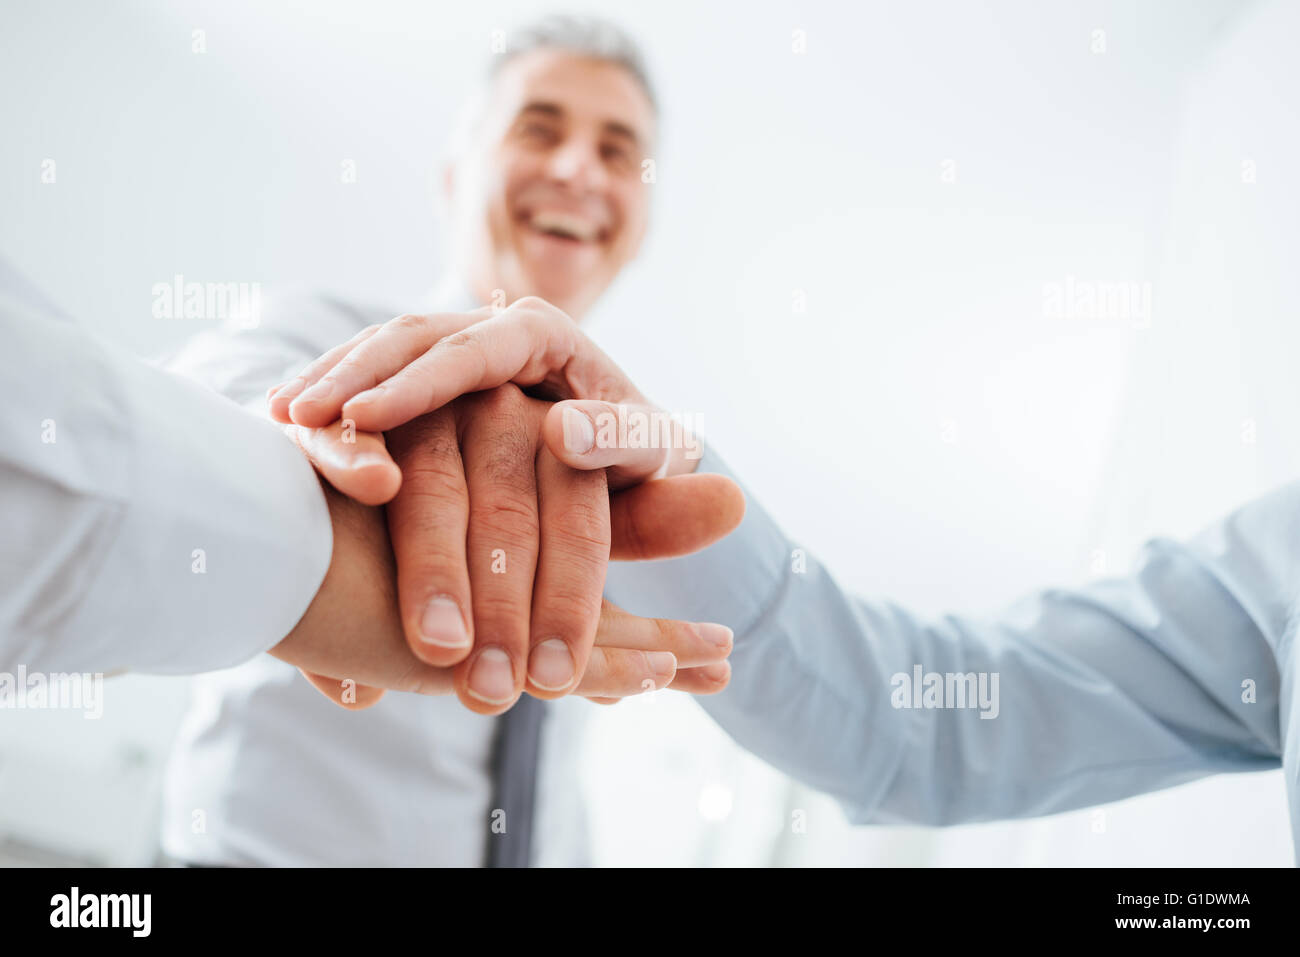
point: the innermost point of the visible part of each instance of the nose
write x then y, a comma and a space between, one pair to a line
576, 163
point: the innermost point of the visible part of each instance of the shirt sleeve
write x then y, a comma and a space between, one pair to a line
151, 524
1068, 699
241, 361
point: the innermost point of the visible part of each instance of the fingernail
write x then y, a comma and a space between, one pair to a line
720, 671
368, 396
290, 389
662, 663
491, 680
443, 623
719, 635
550, 666
366, 460
579, 433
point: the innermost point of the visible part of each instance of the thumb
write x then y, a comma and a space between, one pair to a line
668, 517
631, 441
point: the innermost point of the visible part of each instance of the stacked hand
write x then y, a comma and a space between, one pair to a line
502, 511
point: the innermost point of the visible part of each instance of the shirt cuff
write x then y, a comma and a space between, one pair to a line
732, 582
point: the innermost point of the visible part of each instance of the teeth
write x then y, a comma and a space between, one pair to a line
564, 224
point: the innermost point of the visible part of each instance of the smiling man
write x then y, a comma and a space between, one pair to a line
546, 194
546, 199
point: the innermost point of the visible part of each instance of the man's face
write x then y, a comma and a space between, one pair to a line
550, 200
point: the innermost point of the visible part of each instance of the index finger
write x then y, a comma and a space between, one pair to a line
527, 344
315, 397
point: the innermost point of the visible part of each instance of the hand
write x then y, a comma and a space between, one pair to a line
350, 643
502, 550
476, 474
391, 373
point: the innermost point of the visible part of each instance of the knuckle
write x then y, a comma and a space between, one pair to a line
409, 322
505, 518
571, 577
587, 517
431, 435
569, 613
719, 681
420, 520
460, 340
611, 673
533, 304
409, 677
435, 566
582, 541
539, 309
353, 365
540, 317
502, 401
508, 466
671, 633
608, 387
424, 443
433, 479
643, 663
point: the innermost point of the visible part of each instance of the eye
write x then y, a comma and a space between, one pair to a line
540, 133
616, 155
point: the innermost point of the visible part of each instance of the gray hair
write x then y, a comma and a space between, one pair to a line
584, 36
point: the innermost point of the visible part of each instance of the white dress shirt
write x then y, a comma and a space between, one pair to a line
149, 525
284, 777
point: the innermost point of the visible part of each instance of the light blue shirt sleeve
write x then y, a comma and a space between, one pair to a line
1126, 686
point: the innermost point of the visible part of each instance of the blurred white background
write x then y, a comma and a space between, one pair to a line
845, 282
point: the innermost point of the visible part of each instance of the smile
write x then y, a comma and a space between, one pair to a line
568, 226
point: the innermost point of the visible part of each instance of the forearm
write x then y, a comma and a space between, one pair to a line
1124, 687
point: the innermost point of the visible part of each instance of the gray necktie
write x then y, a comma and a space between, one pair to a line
514, 776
